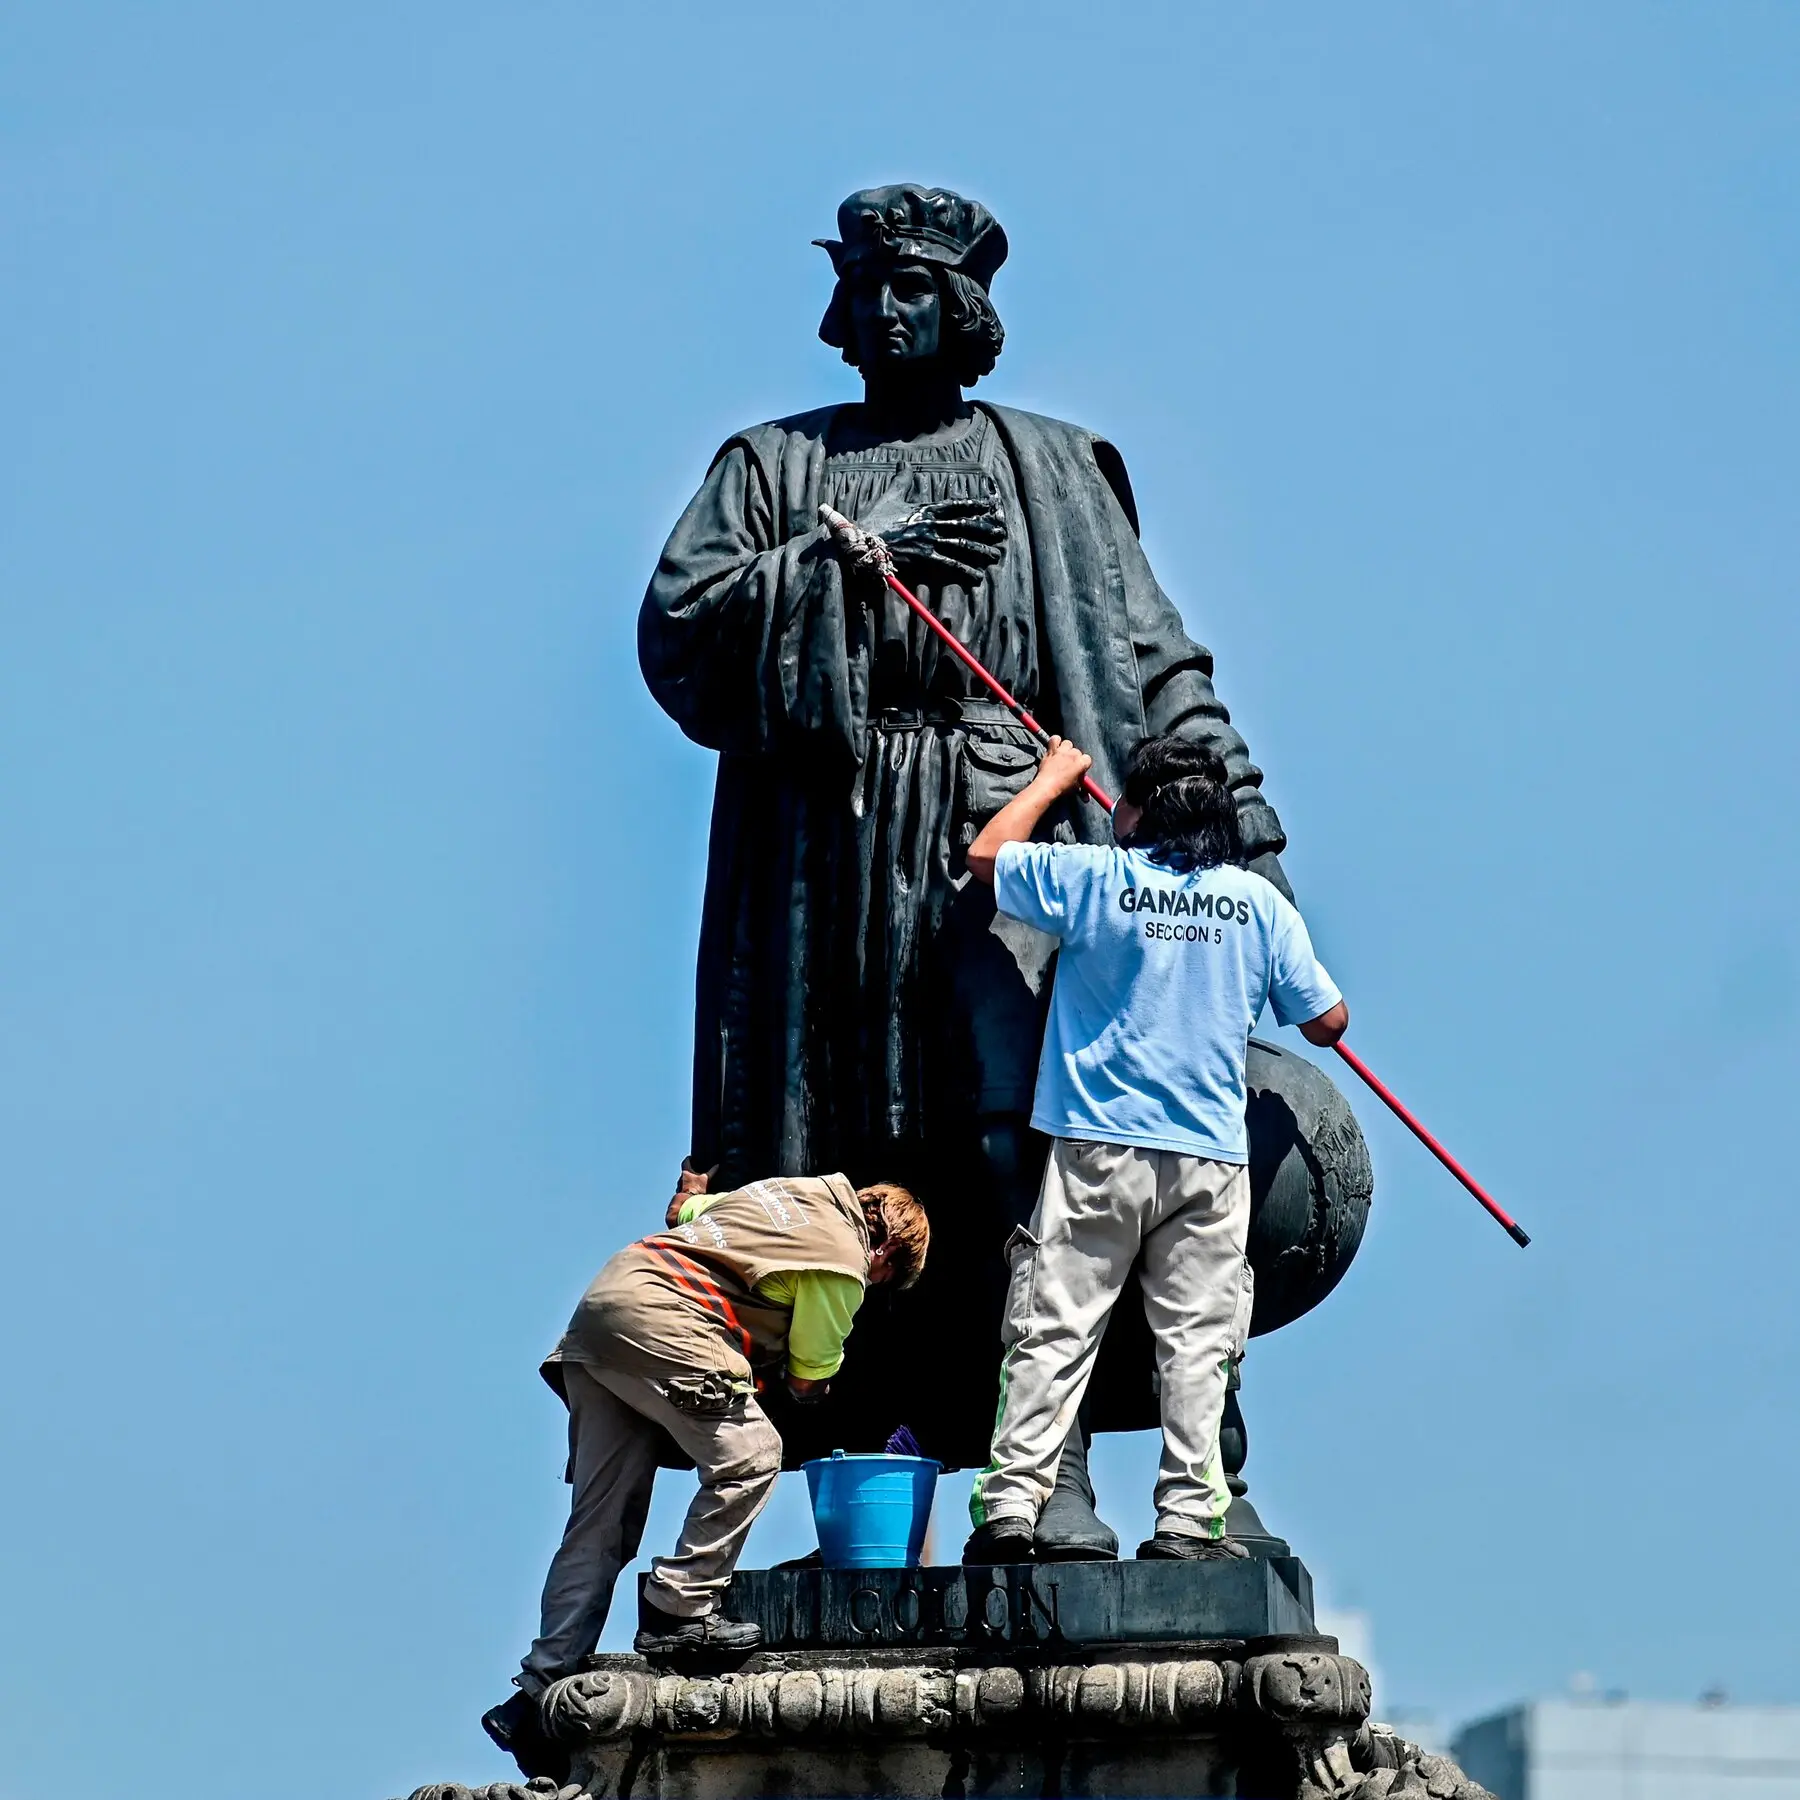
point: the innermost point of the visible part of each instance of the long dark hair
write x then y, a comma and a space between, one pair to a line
1189, 811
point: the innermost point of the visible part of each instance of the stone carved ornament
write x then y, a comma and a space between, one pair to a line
1318, 1702
885, 1702
1379, 1764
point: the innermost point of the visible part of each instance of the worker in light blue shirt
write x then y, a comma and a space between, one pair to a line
1169, 951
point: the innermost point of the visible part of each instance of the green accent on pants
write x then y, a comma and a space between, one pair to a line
977, 1505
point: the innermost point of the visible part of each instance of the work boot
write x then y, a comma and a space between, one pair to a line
1069, 1529
998, 1541
1177, 1546
517, 1726
662, 1633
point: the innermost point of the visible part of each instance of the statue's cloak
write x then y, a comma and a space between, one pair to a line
748, 640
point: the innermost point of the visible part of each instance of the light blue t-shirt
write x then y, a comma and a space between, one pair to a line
1160, 979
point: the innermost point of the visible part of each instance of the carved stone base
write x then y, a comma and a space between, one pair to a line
1288, 1723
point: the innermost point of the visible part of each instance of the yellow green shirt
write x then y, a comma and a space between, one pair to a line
823, 1304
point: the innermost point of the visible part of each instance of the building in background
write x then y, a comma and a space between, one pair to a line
1617, 1749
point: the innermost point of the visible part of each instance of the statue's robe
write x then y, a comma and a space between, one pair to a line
751, 642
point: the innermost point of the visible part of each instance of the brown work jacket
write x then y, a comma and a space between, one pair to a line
685, 1300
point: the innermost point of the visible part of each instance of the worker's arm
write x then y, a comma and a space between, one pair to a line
824, 1305
1059, 773
1328, 1027
688, 1184
1300, 992
685, 1212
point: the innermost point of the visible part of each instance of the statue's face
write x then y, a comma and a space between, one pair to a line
895, 314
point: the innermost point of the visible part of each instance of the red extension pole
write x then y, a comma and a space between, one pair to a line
873, 552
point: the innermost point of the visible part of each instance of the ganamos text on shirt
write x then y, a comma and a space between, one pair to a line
1171, 904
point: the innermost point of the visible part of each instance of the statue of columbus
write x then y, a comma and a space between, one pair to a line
859, 1004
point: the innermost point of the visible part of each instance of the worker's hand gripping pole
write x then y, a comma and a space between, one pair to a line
863, 549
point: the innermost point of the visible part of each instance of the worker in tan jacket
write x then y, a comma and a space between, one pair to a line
672, 1342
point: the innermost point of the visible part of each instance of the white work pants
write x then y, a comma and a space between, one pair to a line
1100, 1205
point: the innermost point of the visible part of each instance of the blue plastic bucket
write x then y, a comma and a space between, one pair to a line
872, 1511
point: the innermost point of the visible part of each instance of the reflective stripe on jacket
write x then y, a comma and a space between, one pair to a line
686, 1298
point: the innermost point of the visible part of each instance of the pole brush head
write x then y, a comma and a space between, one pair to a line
903, 1443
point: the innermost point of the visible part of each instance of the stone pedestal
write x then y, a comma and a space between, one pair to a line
1085, 1679
1127, 1721
1029, 1606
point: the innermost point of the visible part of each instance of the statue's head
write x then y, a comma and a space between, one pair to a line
913, 267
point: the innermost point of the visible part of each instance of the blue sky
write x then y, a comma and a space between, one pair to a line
357, 361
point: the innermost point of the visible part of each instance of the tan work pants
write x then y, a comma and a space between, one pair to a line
613, 1441
1100, 1205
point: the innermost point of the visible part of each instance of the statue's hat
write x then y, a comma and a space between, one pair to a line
892, 224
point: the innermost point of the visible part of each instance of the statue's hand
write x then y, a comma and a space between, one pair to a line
958, 539
891, 509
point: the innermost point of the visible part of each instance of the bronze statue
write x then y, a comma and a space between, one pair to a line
859, 1004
